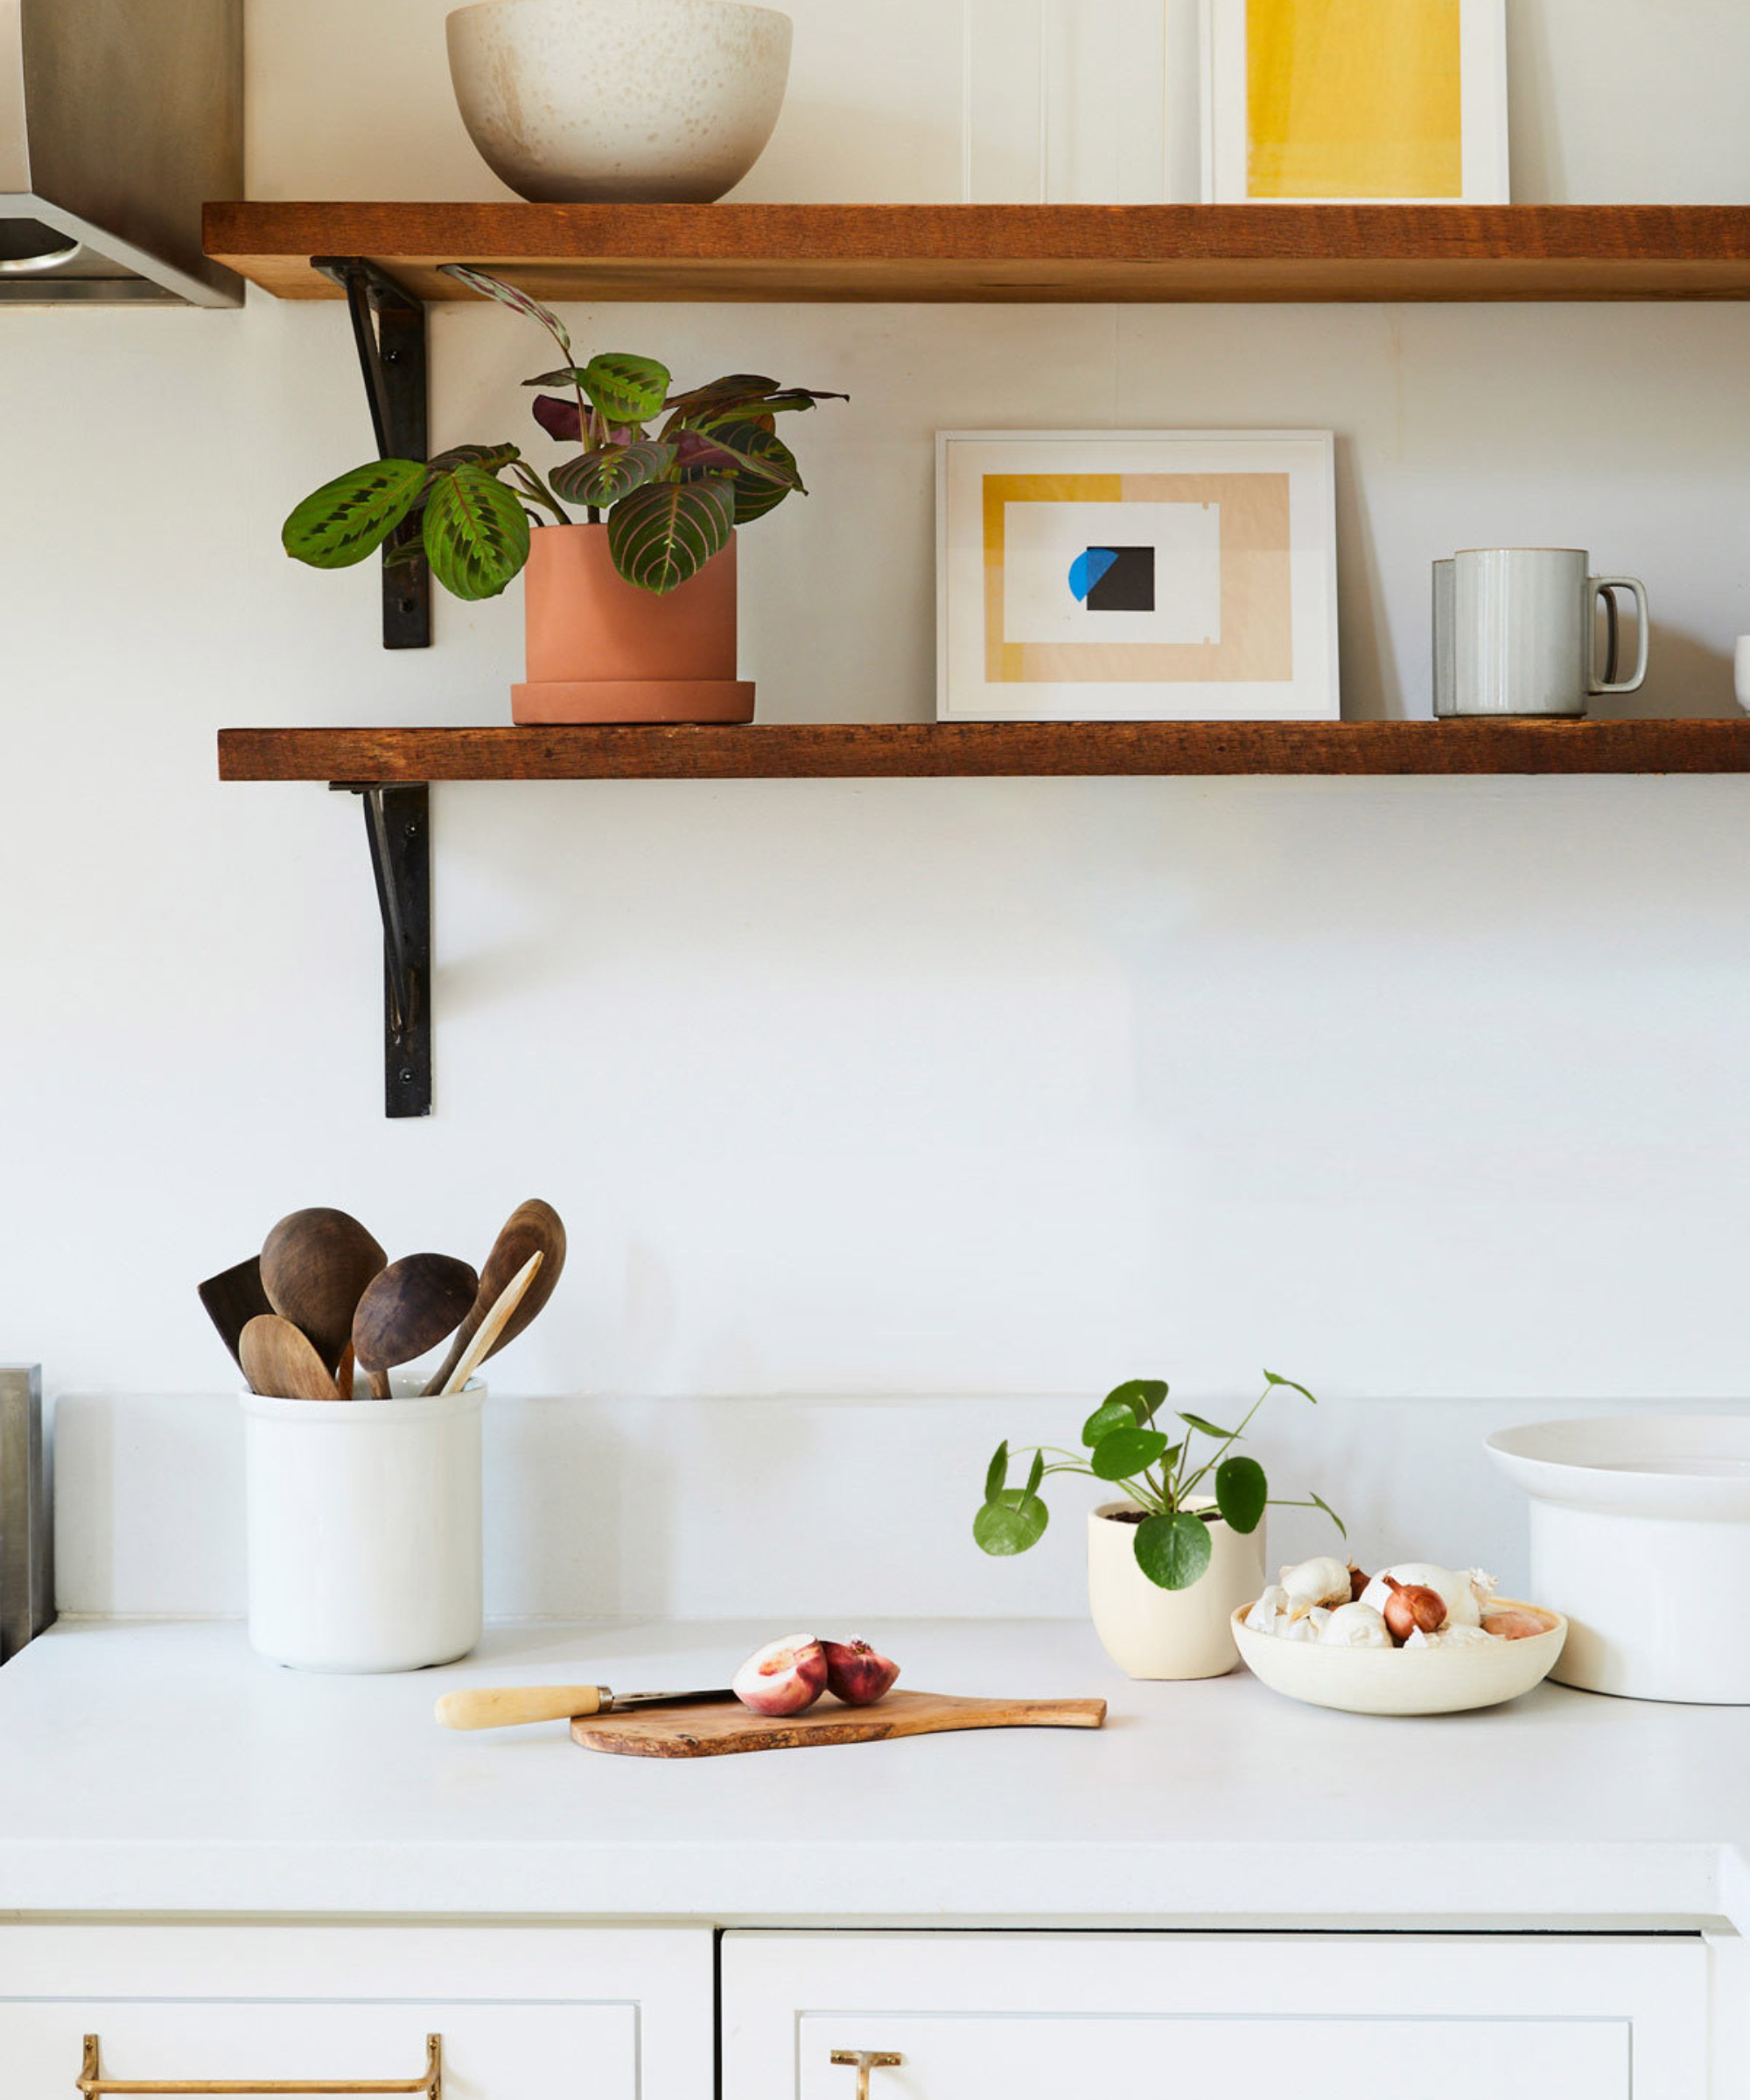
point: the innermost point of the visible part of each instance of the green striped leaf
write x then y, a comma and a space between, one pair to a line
602, 478
490, 457
663, 534
476, 533
490, 287
624, 388
351, 516
763, 469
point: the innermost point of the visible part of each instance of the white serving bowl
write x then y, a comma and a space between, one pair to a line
620, 102
1403, 1680
1640, 1525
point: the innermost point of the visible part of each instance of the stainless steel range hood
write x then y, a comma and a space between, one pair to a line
118, 119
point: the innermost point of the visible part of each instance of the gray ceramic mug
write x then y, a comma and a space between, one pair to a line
1515, 633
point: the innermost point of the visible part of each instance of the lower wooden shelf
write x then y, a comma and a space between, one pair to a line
925, 750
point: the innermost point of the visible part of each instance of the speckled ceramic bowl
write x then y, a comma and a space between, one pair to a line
1403, 1680
620, 102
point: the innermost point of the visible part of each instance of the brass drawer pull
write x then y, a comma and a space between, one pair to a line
865, 2060
92, 2083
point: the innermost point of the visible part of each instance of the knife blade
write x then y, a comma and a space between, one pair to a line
510, 1706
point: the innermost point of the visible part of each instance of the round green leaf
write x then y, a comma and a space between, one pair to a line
1123, 1454
1011, 1523
1110, 1415
351, 516
1142, 1395
1241, 1493
476, 533
663, 534
1209, 1428
624, 388
1172, 1551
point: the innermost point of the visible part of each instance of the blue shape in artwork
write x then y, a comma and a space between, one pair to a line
1087, 569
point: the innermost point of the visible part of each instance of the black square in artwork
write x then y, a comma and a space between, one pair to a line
1128, 584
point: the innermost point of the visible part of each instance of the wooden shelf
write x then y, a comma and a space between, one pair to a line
1095, 253
925, 750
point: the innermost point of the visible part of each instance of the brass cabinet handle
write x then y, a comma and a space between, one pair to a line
865, 2060
92, 2083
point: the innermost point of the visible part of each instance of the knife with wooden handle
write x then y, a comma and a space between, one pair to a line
510, 1706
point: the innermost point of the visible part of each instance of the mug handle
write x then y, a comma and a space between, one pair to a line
1606, 587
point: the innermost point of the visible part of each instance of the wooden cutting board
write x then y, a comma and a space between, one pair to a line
724, 1728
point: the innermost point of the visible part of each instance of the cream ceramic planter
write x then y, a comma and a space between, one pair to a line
1154, 1632
364, 1529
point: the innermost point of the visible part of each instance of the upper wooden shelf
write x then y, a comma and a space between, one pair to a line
922, 750
1093, 252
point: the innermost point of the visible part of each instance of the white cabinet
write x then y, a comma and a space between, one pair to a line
520, 2010
1035, 2016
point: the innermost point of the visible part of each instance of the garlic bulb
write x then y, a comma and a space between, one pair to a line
1354, 1626
1462, 1608
1262, 1618
1448, 1636
1483, 1586
1323, 1581
1310, 1626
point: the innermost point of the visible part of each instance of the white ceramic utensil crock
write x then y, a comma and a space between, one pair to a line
364, 1525
1149, 1632
620, 102
1641, 1533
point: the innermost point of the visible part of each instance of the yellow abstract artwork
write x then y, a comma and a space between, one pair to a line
1353, 98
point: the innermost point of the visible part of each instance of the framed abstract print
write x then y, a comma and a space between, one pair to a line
1355, 102
1135, 575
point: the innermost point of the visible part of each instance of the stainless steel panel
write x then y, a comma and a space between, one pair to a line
27, 1559
118, 120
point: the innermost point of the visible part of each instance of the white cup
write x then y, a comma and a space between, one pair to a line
1514, 632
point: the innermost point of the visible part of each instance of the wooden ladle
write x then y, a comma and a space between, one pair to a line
532, 1228
280, 1360
407, 1309
315, 1265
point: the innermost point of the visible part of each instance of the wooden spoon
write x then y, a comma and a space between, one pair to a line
233, 1299
279, 1359
532, 1228
315, 1265
409, 1308
491, 1328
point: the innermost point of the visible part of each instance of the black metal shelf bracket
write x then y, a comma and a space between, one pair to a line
398, 833
392, 362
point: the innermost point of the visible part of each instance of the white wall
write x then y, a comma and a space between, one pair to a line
1407, 1089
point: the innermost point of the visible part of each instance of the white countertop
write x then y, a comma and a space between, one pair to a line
164, 1768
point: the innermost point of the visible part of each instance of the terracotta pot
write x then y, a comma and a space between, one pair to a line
1155, 1633
602, 650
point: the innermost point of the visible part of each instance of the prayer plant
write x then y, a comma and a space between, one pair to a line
671, 494
1123, 1445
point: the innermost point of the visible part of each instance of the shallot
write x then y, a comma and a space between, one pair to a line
855, 1674
1412, 1607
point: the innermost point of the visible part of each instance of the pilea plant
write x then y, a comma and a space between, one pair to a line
1123, 1445
671, 497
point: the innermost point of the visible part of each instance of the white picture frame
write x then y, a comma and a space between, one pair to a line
1485, 177
1236, 530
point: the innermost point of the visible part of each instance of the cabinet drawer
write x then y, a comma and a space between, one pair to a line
1323, 2016
520, 2011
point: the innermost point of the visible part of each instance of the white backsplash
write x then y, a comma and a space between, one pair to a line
789, 1509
